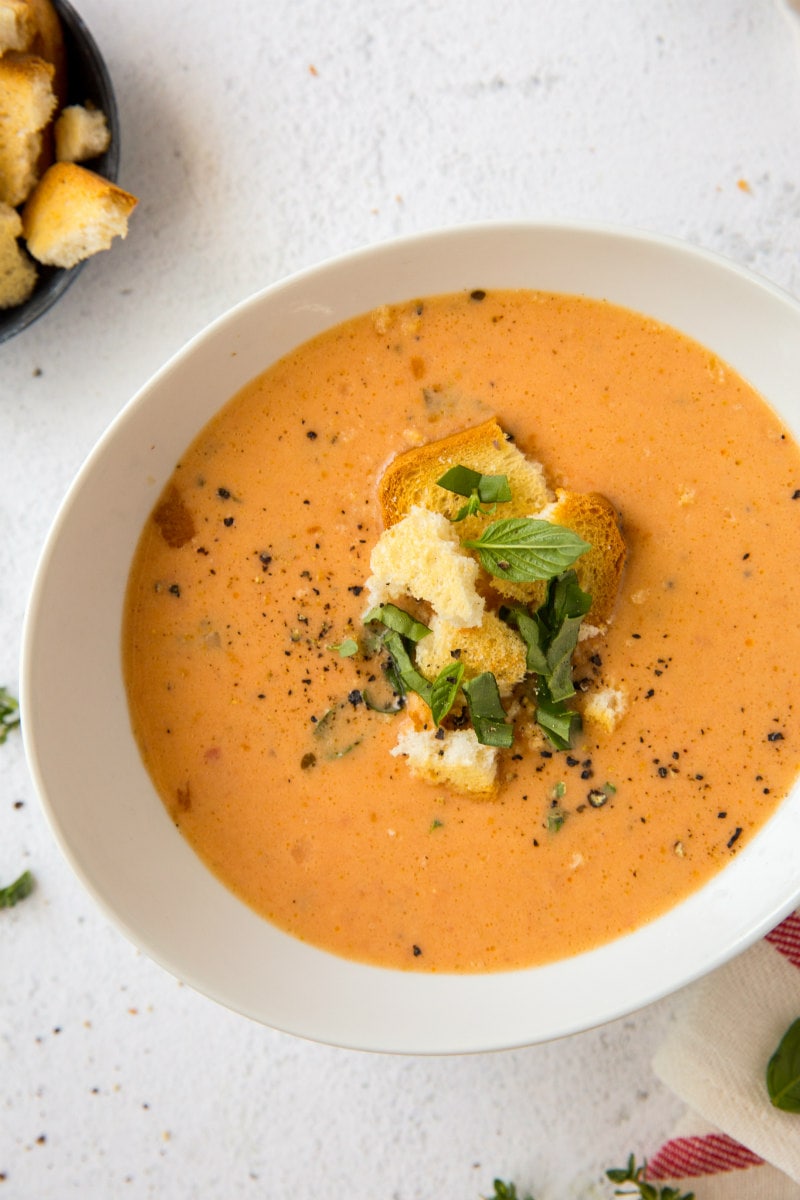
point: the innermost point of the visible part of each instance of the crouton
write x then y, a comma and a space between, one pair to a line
411, 478
491, 646
73, 213
421, 556
453, 758
48, 43
27, 102
17, 272
606, 707
17, 25
81, 133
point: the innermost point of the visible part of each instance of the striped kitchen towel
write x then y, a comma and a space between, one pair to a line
732, 1143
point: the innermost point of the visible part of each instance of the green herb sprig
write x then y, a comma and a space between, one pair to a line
635, 1175
9, 713
479, 489
526, 549
16, 891
506, 1191
783, 1071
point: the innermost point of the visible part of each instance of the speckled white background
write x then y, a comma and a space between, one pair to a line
261, 138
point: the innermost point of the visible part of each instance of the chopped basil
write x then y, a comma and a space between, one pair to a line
492, 728
399, 620
408, 676
555, 819
550, 636
16, 891
445, 689
524, 549
557, 721
347, 647
479, 490
491, 489
783, 1071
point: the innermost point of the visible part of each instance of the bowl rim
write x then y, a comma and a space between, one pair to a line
438, 996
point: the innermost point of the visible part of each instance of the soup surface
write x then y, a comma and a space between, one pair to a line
249, 574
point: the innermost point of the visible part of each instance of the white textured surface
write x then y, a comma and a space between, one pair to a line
674, 116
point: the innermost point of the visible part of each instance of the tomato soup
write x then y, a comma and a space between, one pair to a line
249, 575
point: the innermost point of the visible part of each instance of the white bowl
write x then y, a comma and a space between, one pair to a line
109, 821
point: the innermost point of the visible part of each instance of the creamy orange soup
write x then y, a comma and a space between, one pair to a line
250, 570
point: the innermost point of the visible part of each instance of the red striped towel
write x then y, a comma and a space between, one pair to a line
732, 1143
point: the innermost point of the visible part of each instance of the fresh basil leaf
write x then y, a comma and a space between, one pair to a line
783, 1071
461, 480
479, 489
559, 659
399, 620
534, 635
558, 721
565, 598
486, 711
409, 677
524, 549
445, 689
16, 891
494, 489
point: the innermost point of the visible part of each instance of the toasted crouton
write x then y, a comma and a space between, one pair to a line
599, 569
421, 556
606, 707
454, 758
17, 272
27, 102
17, 25
411, 478
81, 133
73, 213
48, 43
491, 646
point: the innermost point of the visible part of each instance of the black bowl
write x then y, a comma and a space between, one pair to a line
87, 79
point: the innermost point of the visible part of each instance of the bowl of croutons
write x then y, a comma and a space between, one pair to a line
59, 157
